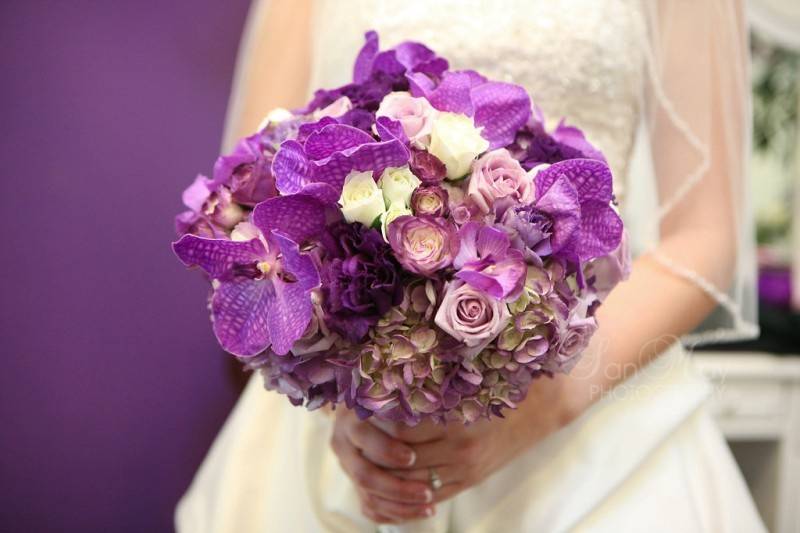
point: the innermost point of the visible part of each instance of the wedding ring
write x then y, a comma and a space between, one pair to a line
436, 481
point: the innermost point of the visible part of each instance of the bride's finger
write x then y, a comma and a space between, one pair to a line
423, 432
375, 480
379, 447
447, 474
394, 510
443, 452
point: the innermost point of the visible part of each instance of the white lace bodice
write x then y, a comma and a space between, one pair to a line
578, 59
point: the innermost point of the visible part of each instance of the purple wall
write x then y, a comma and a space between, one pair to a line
112, 386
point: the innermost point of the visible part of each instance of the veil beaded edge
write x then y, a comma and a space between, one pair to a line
708, 41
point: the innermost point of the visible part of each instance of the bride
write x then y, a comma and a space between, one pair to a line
625, 443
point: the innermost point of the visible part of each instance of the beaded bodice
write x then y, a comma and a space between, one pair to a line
578, 59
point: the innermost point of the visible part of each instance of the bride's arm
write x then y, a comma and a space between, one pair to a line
273, 66
698, 116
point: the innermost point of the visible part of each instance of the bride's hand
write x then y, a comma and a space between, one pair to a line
463, 456
365, 453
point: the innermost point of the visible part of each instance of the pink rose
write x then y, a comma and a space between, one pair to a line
429, 200
498, 176
414, 114
470, 315
423, 245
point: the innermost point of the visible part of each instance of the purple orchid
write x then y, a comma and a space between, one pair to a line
499, 108
263, 295
487, 262
325, 152
377, 73
592, 230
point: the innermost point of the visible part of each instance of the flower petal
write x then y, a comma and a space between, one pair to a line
334, 138
289, 311
600, 230
389, 129
376, 156
363, 65
217, 256
492, 243
560, 201
501, 109
291, 167
298, 216
591, 178
453, 93
240, 311
197, 193
301, 266
575, 138
502, 280
468, 252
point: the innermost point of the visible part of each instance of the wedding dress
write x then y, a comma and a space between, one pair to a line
646, 457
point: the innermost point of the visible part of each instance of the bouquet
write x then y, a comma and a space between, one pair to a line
415, 244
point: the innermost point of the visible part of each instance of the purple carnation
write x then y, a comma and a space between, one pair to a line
530, 228
360, 279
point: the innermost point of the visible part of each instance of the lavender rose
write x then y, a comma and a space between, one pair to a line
498, 176
470, 315
414, 114
423, 245
573, 338
429, 200
360, 279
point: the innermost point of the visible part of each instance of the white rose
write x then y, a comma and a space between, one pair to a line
397, 185
275, 116
361, 200
456, 142
395, 210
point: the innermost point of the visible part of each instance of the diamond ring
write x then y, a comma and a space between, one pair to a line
436, 481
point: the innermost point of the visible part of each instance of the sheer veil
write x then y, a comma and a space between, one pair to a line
689, 183
687, 193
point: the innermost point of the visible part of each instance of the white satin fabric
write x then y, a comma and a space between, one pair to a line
646, 457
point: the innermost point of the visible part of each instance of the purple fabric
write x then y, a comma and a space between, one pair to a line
113, 385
